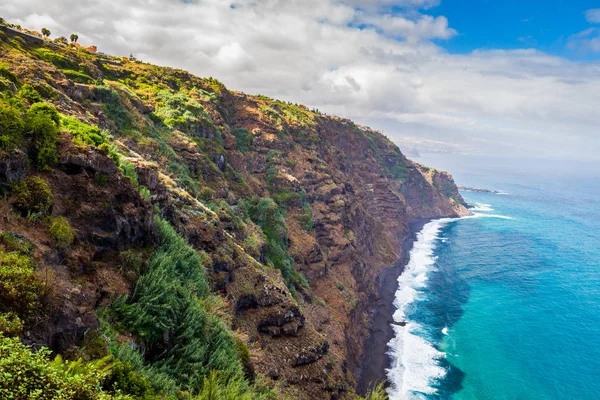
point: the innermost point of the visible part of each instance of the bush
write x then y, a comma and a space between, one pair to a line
77, 76
10, 242
31, 375
60, 232
28, 93
111, 103
182, 339
124, 378
11, 126
20, 290
243, 139
85, 133
41, 123
10, 324
32, 195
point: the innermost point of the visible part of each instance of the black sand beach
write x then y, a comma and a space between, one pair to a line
375, 360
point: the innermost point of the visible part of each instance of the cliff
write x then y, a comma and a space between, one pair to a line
293, 214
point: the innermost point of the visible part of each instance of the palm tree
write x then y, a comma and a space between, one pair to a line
46, 32
74, 37
62, 40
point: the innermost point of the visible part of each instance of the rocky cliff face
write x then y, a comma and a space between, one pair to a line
297, 211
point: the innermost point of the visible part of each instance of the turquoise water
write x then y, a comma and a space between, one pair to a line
505, 305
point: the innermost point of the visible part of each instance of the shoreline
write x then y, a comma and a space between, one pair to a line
375, 360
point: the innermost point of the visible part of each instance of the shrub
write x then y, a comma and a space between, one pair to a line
243, 139
182, 339
131, 262
126, 379
41, 123
31, 375
10, 324
112, 105
179, 111
11, 126
340, 286
57, 59
85, 133
28, 93
32, 195
128, 171
10, 242
207, 194
60, 232
145, 192
78, 77
20, 290
44, 109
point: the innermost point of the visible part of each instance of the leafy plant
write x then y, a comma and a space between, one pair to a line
41, 124
181, 338
112, 105
11, 126
31, 375
20, 290
28, 93
60, 232
32, 195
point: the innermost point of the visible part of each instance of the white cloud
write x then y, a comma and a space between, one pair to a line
593, 15
424, 28
388, 74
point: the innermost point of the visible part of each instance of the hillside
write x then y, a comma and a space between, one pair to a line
182, 228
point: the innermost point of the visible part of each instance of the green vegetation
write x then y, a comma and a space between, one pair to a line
60, 232
32, 195
82, 133
20, 291
306, 218
377, 393
112, 105
169, 313
179, 111
243, 139
28, 93
41, 124
340, 286
77, 76
31, 375
267, 215
11, 126
50, 56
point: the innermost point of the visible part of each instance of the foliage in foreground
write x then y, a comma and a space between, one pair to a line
26, 374
169, 312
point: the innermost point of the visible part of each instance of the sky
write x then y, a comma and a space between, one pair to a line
471, 76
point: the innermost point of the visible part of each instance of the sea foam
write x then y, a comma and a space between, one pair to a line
415, 362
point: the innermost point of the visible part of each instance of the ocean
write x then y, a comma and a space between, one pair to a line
504, 304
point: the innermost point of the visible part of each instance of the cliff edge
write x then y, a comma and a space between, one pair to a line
291, 213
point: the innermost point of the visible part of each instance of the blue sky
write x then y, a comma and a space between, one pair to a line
515, 24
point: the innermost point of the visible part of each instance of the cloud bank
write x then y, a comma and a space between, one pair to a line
378, 64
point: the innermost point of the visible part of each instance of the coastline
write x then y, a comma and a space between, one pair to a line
375, 360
